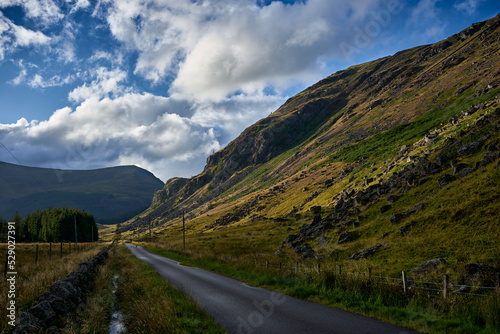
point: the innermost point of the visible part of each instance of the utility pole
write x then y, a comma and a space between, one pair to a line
150, 239
76, 240
183, 232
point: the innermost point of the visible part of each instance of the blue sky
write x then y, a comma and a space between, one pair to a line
164, 83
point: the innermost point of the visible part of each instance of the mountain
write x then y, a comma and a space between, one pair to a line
112, 194
402, 148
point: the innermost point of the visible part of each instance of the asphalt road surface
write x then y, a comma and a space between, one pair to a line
242, 309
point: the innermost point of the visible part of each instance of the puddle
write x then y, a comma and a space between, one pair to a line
116, 325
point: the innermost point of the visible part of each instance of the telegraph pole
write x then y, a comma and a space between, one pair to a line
150, 239
183, 232
76, 240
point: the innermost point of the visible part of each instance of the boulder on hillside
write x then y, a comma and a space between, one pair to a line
322, 241
345, 238
482, 274
316, 210
442, 160
305, 250
396, 217
385, 208
392, 198
458, 167
487, 159
367, 252
469, 148
404, 230
415, 208
445, 180
427, 267
465, 172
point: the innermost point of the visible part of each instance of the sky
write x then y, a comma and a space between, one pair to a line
162, 84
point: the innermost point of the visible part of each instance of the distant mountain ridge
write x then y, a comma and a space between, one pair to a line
112, 194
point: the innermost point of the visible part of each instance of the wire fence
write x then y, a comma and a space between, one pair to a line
405, 283
49, 251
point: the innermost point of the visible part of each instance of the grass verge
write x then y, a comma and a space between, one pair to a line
148, 303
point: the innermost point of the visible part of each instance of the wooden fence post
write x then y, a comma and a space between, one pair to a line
36, 255
403, 273
6, 262
445, 286
267, 264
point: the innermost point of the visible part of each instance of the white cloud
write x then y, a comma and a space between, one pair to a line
55, 81
25, 37
469, 7
13, 36
167, 136
106, 82
427, 14
214, 48
78, 4
45, 11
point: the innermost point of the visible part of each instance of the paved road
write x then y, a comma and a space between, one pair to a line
242, 309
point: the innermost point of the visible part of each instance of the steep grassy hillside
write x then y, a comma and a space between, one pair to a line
111, 194
400, 152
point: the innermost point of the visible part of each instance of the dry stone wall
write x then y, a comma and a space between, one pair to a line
49, 310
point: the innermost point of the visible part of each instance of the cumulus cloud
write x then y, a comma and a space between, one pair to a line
213, 48
105, 82
140, 129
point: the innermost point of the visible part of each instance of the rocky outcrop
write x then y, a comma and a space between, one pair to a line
445, 180
171, 188
396, 217
469, 148
481, 274
428, 267
49, 310
367, 252
345, 238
